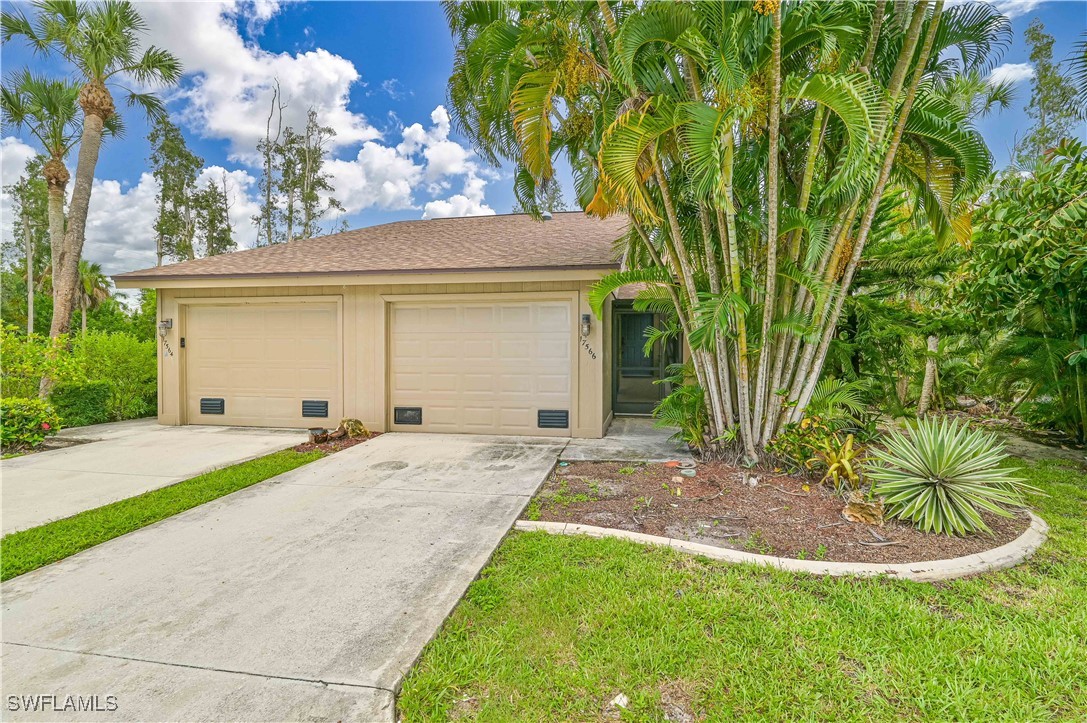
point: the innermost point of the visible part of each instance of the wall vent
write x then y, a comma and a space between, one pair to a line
212, 406
552, 418
314, 408
407, 415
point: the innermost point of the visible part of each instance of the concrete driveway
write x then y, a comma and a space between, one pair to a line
305, 597
123, 460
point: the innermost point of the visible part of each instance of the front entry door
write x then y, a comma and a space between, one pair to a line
636, 375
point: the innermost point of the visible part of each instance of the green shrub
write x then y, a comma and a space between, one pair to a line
942, 475
82, 403
128, 365
28, 357
25, 423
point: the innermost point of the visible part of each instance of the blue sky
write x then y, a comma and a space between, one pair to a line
378, 73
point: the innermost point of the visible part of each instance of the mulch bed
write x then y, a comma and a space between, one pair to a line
716, 507
335, 445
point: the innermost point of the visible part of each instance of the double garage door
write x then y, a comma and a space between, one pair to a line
494, 367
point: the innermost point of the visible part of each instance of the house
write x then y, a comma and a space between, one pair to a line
478, 325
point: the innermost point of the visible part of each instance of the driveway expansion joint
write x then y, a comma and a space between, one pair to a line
212, 669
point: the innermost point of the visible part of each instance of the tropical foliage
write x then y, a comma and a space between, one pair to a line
103, 43
122, 362
943, 476
25, 423
1027, 279
754, 148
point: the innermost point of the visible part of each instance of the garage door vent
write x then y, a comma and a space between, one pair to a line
552, 419
212, 406
407, 415
314, 408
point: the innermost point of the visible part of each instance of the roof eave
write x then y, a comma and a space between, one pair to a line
136, 280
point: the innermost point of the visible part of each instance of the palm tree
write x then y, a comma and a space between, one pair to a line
102, 41
753, 148
94, 288
47, 109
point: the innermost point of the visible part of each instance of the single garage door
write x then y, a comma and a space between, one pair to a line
481, 367
263, 365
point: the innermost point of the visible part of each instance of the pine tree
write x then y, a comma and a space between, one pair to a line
1053, 107
176, 169
213, 219
296, 190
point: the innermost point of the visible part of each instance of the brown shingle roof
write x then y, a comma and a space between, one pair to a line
477, 243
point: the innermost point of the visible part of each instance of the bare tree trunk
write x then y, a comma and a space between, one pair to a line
66, 276
930, 376
29, 274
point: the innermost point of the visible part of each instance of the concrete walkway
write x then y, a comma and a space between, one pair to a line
305, 597
126, 459
629, 439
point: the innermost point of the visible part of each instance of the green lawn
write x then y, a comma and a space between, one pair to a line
28, 550
557, 626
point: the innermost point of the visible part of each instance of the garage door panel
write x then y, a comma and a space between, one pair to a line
488, 367
443, 349
481, 350
263, 360
476, 317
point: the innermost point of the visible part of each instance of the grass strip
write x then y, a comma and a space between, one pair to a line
557, 626
26, 550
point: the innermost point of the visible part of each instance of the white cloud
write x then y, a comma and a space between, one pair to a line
1011, 73
379, 176
121, 225
13, 157
393, 88
468, 203
387, 177
230, 82
121, 219
1016, 8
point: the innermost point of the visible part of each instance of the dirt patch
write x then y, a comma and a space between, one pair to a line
778, 516
335, 445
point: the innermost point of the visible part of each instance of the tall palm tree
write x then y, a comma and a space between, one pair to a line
47, 109
102, 41
752, 146
94, 288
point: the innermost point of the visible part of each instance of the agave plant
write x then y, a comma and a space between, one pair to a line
943, 475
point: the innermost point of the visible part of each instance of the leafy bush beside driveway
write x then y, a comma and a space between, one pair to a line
78, 366
82, 403
25, 423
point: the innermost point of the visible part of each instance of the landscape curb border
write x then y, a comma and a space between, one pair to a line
998, 558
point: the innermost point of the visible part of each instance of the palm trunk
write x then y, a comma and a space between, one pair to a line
29, 275
681, 259
55, 214
743, 372
66, 276
83, 316
763, 426
929, 383
873, 36
905, 59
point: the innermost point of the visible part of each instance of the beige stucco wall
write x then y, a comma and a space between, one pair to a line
365, 328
